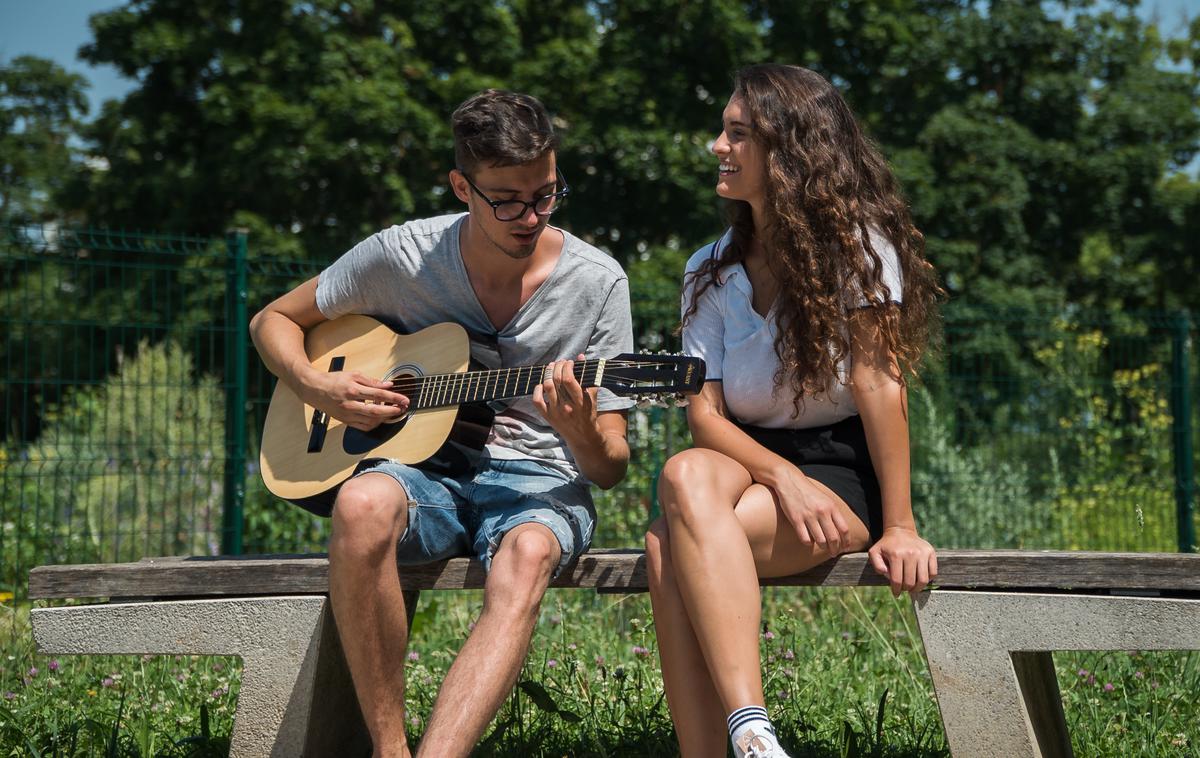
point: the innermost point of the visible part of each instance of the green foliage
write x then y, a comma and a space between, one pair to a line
970, 496
123, 469
1022, 132
1111, 468
40, 109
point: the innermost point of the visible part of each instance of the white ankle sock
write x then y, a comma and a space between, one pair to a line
751, 719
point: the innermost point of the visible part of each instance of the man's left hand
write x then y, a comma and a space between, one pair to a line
564, 403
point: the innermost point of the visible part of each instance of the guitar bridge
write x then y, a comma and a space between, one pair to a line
320, 419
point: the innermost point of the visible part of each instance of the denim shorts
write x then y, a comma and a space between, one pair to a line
455, 516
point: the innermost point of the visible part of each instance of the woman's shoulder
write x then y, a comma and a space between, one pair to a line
706, 252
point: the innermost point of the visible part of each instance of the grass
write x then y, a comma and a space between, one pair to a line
845, 676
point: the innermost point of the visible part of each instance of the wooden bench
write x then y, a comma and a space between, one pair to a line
988, 627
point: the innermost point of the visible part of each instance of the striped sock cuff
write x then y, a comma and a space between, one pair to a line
744, 715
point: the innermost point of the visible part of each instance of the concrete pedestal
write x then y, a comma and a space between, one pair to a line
989, 656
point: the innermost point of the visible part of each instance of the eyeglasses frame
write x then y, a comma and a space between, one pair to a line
525, 206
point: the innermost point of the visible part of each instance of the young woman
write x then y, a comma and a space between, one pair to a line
809, 311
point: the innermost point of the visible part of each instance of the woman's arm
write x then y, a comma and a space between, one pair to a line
901, 554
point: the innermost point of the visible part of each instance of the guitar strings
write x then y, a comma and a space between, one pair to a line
589, 371
436, 389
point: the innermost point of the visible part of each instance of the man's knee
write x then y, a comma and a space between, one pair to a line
533, 551
369, 515
521, 569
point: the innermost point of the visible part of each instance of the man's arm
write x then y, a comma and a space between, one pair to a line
278, 332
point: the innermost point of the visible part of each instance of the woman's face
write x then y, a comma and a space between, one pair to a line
741, 173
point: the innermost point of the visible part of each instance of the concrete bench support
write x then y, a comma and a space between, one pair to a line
289, 651
989, 657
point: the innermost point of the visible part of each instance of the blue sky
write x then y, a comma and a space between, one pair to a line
56, 28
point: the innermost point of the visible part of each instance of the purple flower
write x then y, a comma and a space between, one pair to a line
53, 665
219, 692
1082, 673
1138, 675
555, 620
788, 655
1091, 679
33, 672
599, 660
107, 682
572, 646
218, 667
640, 651
846, 635
551, 664
10, 696
181, 677
768, 635
1108, 687
414, 656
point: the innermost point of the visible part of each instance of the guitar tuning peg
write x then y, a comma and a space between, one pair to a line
681, 401
644, 402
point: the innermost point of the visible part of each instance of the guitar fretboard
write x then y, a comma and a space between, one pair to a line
440, 390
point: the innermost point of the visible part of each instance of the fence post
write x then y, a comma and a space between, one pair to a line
1181, 428
236, 377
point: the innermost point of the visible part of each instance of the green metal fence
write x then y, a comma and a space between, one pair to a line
132, 405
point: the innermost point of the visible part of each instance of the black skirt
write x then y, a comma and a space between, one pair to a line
836, 456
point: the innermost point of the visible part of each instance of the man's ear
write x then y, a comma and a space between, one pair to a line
458, 183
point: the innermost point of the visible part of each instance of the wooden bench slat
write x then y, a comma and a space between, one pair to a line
610, 570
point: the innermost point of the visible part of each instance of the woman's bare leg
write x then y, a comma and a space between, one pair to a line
696, 709
724, 532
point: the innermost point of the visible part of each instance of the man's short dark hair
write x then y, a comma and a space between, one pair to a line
501, 128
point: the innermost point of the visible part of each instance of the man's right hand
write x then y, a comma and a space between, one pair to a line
354, 399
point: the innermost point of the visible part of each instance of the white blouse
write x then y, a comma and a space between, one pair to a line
738, 345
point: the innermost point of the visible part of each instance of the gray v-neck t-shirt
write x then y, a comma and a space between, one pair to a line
412, 276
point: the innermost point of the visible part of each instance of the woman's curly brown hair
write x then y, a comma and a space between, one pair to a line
827, 188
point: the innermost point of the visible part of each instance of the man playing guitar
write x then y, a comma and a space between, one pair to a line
525, 292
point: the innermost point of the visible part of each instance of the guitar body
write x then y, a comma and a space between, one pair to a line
293, 471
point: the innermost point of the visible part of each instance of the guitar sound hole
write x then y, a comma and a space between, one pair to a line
355, 442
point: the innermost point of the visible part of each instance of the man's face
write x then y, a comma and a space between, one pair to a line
517, 238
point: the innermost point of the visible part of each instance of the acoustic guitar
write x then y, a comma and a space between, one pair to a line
307, 453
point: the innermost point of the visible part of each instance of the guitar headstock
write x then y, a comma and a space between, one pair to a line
653, 374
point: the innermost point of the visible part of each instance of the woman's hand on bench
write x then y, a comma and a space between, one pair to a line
905, 558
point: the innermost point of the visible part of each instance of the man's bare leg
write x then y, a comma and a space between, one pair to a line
364, 588
486, 668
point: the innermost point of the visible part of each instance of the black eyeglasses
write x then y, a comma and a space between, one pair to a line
511, 210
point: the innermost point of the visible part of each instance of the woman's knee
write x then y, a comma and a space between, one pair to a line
689, 487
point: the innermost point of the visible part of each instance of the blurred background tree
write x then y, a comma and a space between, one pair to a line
1044, 146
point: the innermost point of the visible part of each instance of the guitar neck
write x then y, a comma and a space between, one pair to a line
441, 390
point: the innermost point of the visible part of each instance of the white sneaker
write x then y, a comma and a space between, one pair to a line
758, 745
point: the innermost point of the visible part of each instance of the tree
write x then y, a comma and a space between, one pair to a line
1041, 144
40, 107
